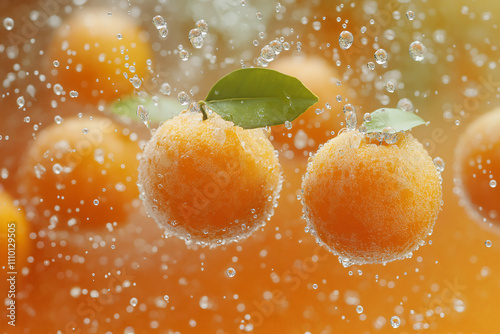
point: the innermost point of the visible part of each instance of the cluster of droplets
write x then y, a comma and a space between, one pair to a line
387, 135
161, 26
350, 117
269, 52
197, 35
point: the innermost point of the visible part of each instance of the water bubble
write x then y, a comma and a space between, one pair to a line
183, 98
359, 309
196, 38
8, 23
367, 117
165, 89
20, 101
159, 22
395, 321
119, 36
166, 298
39, 170
202, 26
184, 55
133, 302
286, 46
488, 243
259, 15
350, 120
288, 125
390, 136
278, 7
493, 183
380, 56
417, 51
459, 305
96, 202
405, 104
230, 272
348, 108
143, 114
55, 63
58, 119
439, 163
267, 53
73, 93
410, 15
316, 25
345, 40
371, 65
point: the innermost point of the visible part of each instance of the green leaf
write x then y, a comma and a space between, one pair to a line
258, 97
397, 119
166, 108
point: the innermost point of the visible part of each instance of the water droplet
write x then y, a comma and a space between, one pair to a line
230, 272
390, 136
159, 22
196, 38
58, 119
143, 114
345, 40
20, 101
459, 305
267, 53
367, 117
58, 89
73, 93
316, 25
184, 55
348, 108
288, 125
163, 32
259, 15
380, 56
119, 36
183, 98
395, 322
276, 46
166, 298
417, 51
410, 15
96, 201
390, 86
488, 243
57, 168
165, 89
359, 309
133, 302
136, 82
8, 23
493, 183
405, 104
439, 163
39, 171
55, 63
371, 65
202, 26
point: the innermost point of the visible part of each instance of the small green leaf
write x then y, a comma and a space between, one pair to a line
167, 108
258, 97
397, 119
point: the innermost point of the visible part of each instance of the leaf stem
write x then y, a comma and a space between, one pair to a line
203, 110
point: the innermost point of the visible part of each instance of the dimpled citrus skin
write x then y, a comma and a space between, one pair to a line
310, 130
371, 203
100, 164
477, 162
208, 178
9, 214
88, 44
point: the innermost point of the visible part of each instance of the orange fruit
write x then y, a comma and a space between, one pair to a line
14, 241
209, 182
82, 171
98, 54
477, 168
371, 203
310, 129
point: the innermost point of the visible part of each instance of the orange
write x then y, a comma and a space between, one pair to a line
209, 182
98, 54
310, 129
477, 168
371, 203
82, 171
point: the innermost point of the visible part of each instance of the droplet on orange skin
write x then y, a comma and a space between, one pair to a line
98, 54
371, 203
82, 169
477, 168
310, 129
209, 182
